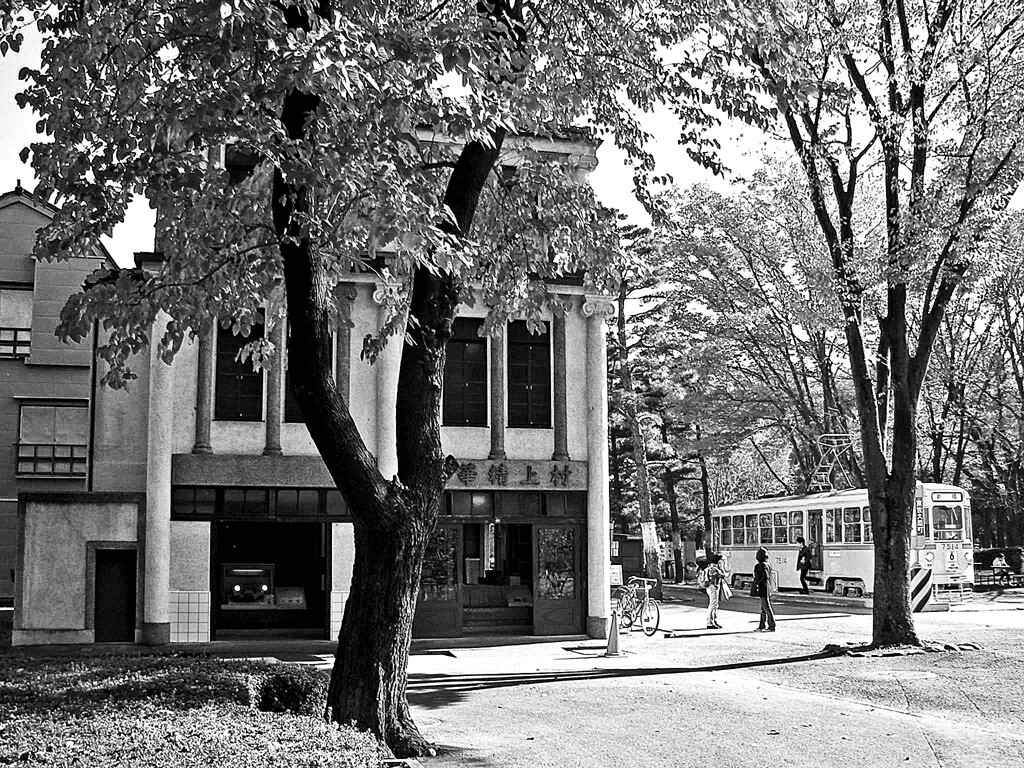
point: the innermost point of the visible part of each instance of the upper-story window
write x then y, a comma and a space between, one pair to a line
238, 391
15, 322
529, 376
465, 375
53, 439
292, 412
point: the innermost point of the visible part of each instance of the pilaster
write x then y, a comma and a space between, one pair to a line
345, 294
497, 375
387, 366
597, 310
156, 624
204, 388
275, 386
561, 426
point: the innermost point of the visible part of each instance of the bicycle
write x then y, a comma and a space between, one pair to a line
632, 606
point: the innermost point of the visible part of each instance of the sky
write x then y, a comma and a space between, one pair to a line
612, 179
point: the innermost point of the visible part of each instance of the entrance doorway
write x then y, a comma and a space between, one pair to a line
114, 605
497, 578
270, 579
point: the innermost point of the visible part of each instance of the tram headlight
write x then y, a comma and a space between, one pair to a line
929, 556
237, 588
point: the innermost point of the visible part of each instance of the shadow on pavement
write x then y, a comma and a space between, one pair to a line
435, 691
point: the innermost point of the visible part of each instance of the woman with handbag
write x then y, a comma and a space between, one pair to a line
762, 588
713, 577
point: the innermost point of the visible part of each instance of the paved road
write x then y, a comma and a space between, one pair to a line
733, 697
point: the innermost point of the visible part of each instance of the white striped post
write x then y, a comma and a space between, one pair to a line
920, 588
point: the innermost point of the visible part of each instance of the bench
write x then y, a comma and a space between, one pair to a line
986, 577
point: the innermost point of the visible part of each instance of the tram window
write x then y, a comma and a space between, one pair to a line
947, 522
851, 527
781, 531
737, 536
716, 533
751, 521
796, 526
726, 522
726, 537
866, 513
833, 526
765, 521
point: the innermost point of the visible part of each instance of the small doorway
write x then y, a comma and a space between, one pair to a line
114, 606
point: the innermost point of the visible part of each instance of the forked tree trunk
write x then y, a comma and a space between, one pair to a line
392, 519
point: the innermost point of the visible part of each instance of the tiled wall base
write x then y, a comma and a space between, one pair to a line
338, 598
190, 617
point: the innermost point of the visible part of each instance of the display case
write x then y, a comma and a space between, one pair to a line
247, 586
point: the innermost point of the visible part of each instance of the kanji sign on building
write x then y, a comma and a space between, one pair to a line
513, 473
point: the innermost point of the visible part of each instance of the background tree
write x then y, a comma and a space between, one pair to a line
927, 95
747, 283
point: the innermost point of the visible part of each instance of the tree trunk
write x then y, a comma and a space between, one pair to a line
677, 536
648, 530
392, 520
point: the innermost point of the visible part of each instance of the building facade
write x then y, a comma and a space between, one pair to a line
45, 385
212, 515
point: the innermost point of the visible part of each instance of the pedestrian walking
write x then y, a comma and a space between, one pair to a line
803, 563
710, 579
762, 588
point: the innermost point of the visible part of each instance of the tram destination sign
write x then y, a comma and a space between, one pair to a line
519, 475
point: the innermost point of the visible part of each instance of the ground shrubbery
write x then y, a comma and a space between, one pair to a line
185, 712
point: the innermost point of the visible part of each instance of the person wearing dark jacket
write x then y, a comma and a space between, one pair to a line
803, 563
763, 588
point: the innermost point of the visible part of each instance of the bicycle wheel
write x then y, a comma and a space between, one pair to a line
650, 616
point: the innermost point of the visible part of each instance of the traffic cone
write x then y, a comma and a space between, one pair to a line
613, 636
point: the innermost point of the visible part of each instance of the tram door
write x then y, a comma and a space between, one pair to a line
558, 583
815, 532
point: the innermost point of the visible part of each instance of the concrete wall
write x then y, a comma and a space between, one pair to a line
53, 370
55, 595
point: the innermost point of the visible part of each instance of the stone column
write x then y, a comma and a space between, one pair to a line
597, 309
387, 368
156, 626
561, 422
498, 393
275, 385
204, 388
345, 293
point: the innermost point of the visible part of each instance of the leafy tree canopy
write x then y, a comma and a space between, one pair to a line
140, 97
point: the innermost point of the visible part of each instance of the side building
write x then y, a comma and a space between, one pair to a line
212, 497
45, 385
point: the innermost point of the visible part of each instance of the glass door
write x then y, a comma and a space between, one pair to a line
439, 605
558, 584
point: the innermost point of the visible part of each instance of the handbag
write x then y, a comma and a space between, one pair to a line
726, 591
753, 590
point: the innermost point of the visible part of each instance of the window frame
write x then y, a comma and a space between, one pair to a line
46, 457
465, 337
244, 372
539, 410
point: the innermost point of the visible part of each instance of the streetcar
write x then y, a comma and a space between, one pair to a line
836, 525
